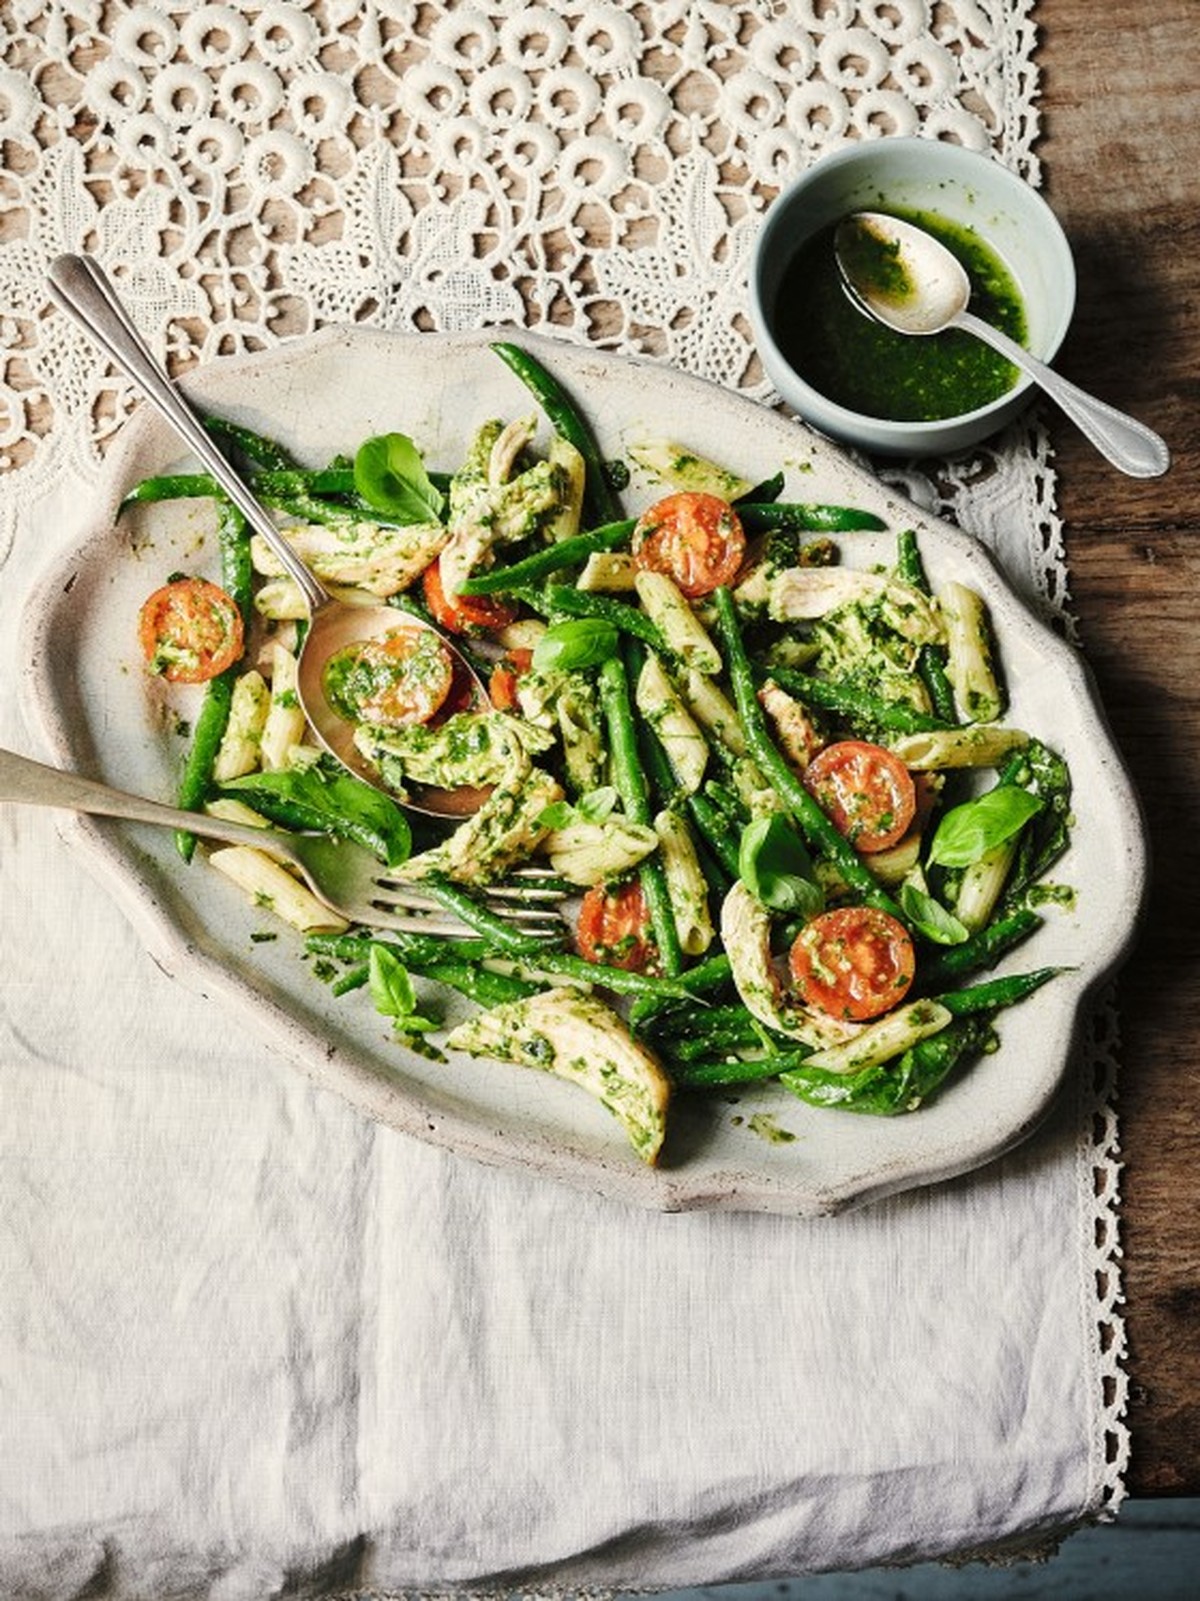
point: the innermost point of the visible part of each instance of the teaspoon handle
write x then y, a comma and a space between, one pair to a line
79, 286
1127, 443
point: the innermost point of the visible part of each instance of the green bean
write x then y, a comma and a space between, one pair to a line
931, 659
414, 950
727, 801
717, 1072
321, 481
759, 516
706, 978
623, 981
478, 983
814, 824
237, 569
561, 598
172, 486
233, 539
713, 826
982, 950
657, 764
716, 875
997, 992
600, 501
764, 493
630, 782
352, 979
304, 508
726, 1025
566, 553
256, 447
838, 695
909, 566
661, 774
719, 1030
628, 776
475, 915
1042, 770
207, 734
268, 484
897, 1086
931, 665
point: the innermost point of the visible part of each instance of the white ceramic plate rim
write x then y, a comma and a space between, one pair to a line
720, 1165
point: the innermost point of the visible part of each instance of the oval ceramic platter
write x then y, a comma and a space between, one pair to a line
760, 1149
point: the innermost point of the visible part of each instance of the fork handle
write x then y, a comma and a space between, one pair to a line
31, 783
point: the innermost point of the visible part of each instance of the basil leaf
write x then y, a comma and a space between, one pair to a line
594, 807
559, 814
392, 991
390, 476
330, 802
930, 917
391, 987
777, 869
969, 831
597, 804
582, 642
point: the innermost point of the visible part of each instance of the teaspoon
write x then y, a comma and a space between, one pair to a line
908, 280
79, 286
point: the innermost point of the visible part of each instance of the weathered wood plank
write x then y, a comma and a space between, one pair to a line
1121, 150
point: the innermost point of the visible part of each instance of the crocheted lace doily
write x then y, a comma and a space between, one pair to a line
250, 172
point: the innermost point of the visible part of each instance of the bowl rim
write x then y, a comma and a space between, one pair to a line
817, 408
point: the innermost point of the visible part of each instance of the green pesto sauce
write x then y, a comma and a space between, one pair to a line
1052, 895
858, 363
765, 1126
347, 682
362, 673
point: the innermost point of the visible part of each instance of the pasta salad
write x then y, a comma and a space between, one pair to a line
780, 789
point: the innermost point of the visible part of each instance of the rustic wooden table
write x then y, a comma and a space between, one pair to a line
1121, 149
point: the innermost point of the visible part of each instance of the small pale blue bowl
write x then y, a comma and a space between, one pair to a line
967, 188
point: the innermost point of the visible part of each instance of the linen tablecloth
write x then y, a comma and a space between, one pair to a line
251, 1344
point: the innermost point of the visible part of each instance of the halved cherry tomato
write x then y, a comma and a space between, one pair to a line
464, 614
399, 678
464, 695
614, 927
855, 962
502, 686
866, 791
190, 630
696, 539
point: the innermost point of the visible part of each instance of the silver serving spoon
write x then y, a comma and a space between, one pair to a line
79, 287
908, 280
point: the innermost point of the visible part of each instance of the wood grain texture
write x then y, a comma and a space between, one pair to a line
1121, 154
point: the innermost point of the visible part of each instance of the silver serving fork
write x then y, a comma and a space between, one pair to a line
342, 875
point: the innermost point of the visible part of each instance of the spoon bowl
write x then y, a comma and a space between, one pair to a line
910, 282
79, 286
336, 626
899, 274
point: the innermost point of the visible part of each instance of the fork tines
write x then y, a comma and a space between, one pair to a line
514, 903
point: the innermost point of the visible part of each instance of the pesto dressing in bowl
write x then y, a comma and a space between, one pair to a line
856, 362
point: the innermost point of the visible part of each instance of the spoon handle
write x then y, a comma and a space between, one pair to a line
79, 287
1127, 443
